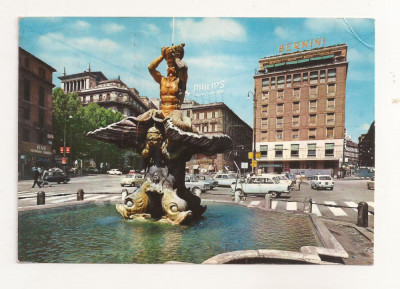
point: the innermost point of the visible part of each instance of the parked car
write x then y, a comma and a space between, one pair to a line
225, 179
284, 179
93, 171
114, 172
213, 183
132, 180
195, 185
131, 172
261, 185
371, 184
322, 182
56, 175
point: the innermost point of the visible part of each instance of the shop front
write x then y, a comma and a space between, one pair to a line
32, 155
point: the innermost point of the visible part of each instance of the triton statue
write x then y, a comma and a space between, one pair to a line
167, 140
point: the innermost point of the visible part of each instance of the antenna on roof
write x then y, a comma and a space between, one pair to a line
64, 73
88, 70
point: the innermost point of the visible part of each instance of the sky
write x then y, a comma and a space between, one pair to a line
223, 51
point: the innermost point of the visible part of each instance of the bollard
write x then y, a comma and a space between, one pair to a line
308, 205
79, 195
268, 201
362, 220
237, 196
41, 198
124, 193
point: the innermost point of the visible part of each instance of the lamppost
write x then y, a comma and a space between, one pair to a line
254, 122
65, 136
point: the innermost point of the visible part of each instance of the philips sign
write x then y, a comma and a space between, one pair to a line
207, 89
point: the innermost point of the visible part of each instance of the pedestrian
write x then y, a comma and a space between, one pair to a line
45, 174
298, 181
36, 175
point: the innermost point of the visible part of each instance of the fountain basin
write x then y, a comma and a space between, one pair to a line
95, 233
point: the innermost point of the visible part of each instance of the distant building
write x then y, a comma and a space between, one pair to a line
300, 109
214, 119
34, 113
93, 86
366, 147
351, 153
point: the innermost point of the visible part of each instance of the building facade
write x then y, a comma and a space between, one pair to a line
93, 86
366, 147
214, 119
299, 101
34, 113
351, 153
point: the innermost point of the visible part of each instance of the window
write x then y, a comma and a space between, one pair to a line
313, 105
296, 107
264, 108
213, 127
280, 94
27, 62
322, 76
332, 74
279, 121
279, 108
279, 134
330, 118
264, 135
201, 114
305, 77
329, 149
281, 81
91, 98
295, 120
313, 119
296, 78
188, 113
205, 128
294, 150
84, 99
27, 89
213, 114
41, 118
313, 91
264, 122
264, 150
265, 83
265, 95
312, 133
314, 77
331, 89
312, 149
288, 80
273, 79
42, 73
330, 103
27, 113
296, 92
209, 114
108, 97
100, 97
278, 151
329, 132
295, 133
25, 134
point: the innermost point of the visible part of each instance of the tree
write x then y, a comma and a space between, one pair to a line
74, 120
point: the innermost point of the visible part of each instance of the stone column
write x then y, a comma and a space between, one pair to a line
87, 83
62, 86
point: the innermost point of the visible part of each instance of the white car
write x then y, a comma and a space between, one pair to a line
225, 179
261, 185
195, 185
114, 172
322, 182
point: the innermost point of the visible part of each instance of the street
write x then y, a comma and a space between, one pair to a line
337, 204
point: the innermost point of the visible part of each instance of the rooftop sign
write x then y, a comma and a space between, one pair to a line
305, 44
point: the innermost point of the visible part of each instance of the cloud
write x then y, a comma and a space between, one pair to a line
282, 33
112, 28
210, 29
365, 127
81, 24
57, 42
321, 25
355, 55
151, 28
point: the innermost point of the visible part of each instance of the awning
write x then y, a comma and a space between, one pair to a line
210, 167
303, 60
328, 56
196, 167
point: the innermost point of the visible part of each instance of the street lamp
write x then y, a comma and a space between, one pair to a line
254, 124
65, 136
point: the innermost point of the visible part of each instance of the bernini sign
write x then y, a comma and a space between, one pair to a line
305, 44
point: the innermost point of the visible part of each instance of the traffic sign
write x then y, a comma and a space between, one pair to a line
64, 161
258, 155
254, 164
67, 150
62, 150
250, 156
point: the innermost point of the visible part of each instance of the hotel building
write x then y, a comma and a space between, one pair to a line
299, 101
